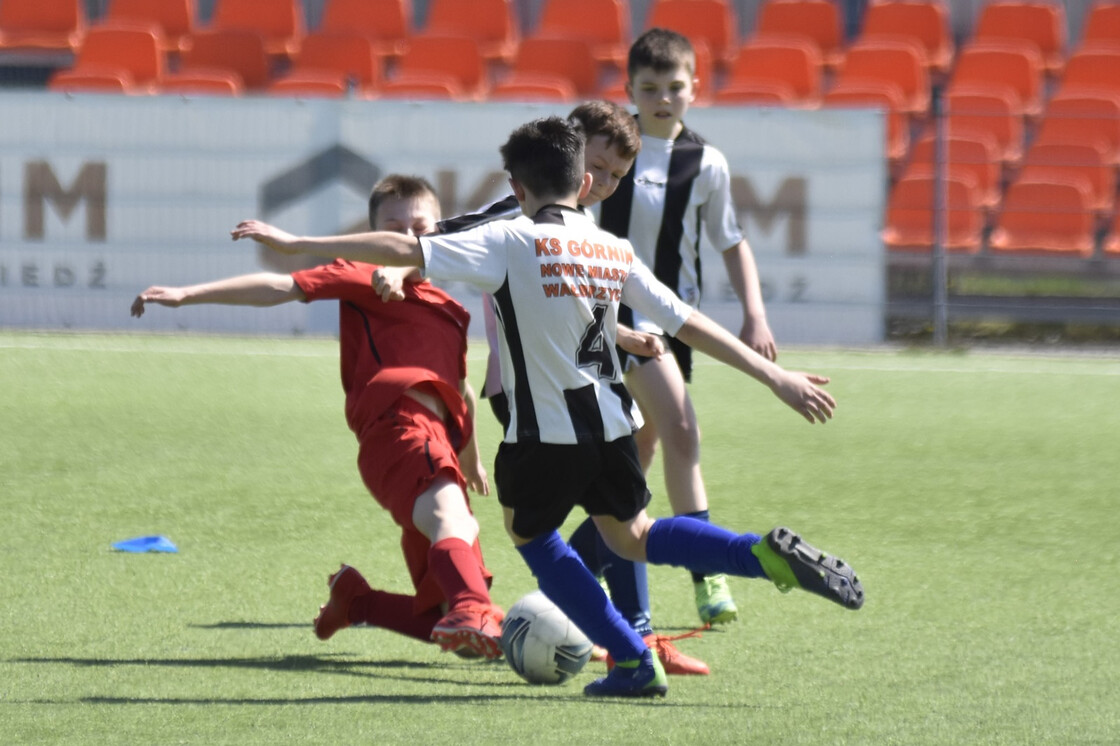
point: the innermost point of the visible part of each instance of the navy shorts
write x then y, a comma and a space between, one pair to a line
542, 482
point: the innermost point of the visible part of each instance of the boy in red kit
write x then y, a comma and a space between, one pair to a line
408, 403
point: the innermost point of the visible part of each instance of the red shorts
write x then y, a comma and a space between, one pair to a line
399, 456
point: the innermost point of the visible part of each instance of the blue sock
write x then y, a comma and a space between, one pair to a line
568, 583
700, 515
585, 541
702, 547
627, 580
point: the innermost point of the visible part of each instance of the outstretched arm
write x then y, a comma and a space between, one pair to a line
800, 391
742, 272
378, 247
261, 289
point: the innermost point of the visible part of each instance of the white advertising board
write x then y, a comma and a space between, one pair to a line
102, 196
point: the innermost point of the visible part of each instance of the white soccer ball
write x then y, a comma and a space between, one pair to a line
542, 644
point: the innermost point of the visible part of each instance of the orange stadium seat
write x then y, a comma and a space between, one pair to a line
910, 215
784, 60
533, 87
1009, 63
923, 21
884, 95
279, 22
1045, 217
975, 155
1084, 116
1073, 162
202, 83
1037, 21
133, 49
386, 23
91, 81
993, 111
768, 92
569, 58
816, 20
491, 23
426, 86
42, 25
174, 18
1102, 26
228, 51
603, 23
899, 62
1093, 67
309, 85
710, 21
457, 57
329, 61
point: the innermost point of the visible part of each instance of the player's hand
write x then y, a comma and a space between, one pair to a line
266, 234
475, 474
172, 297
388, 284
756, 334
803, 393
640, 343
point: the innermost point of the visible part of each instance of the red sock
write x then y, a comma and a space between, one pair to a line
393, 611
455, 566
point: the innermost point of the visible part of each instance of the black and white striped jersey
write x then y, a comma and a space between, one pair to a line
677, 194
557, 281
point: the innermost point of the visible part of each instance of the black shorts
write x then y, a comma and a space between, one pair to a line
681, 352
542, 482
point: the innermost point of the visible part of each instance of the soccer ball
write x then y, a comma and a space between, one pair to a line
542, 644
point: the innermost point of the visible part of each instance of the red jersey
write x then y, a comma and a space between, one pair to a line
389, 347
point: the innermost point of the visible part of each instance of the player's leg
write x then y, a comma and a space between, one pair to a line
782, 556
537, 487
353, 603
441, 513
660, 389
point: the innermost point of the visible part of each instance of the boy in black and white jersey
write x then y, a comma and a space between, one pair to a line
676, 197
558, 281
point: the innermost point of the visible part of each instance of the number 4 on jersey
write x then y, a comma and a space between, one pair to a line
594, 350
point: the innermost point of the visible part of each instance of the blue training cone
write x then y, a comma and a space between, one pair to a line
146, 544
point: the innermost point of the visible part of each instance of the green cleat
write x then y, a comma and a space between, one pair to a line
790, 562
644, 677
714, 602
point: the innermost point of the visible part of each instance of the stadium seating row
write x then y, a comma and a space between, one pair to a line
1031, 133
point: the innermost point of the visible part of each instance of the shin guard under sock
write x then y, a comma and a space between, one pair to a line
571, 586
455, 568
703, 548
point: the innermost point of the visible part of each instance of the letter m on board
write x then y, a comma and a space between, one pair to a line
40, 186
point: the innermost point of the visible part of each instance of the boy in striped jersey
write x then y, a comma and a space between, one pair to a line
677, 195
558, 281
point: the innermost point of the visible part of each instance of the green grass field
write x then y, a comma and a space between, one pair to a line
975, 493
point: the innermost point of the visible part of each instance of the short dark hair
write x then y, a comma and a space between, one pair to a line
399, 186
546, 156
660, 50
611, 120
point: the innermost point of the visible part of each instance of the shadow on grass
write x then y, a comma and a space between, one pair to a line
252, 625
393, 699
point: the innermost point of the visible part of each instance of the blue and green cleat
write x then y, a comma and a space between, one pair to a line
714, 602
643, 677
790, 562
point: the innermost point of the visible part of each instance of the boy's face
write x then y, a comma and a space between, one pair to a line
661, 99
606, 167
412, 216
